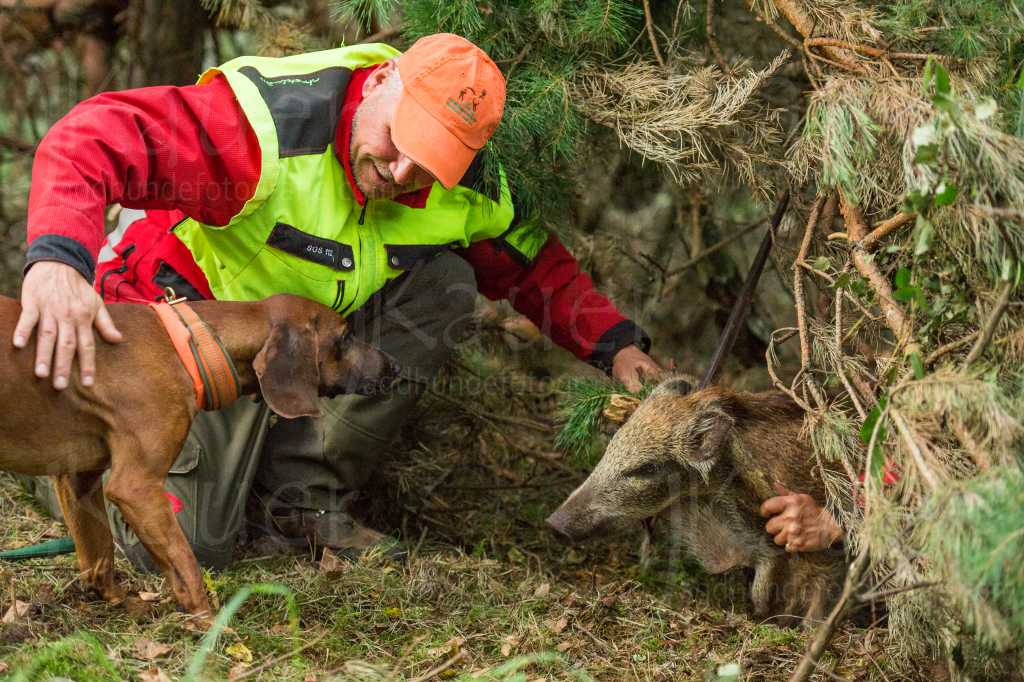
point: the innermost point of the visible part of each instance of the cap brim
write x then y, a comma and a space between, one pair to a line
423, 139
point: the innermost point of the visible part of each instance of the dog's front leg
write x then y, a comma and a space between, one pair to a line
81, 501
136, 487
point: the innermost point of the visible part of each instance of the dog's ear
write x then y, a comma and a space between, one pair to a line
288, 370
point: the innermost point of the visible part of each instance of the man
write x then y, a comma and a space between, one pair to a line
349, 176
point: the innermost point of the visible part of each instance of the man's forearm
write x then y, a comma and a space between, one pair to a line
146, 148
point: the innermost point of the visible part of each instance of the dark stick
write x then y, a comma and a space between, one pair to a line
742, 305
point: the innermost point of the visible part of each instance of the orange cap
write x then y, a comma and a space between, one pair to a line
452, 99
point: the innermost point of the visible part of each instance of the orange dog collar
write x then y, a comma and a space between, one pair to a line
213, 373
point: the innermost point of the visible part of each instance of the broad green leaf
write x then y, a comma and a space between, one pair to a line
915, 362
869, 422
946, 195
927, 154
941, 79
902, 279
877, 463
925, 232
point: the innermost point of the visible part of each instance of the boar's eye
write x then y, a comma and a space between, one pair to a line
647, 470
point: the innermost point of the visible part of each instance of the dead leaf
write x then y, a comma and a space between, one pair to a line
558, 625
310, 677
508, 644
620, 407
3, 667
542, 590
237, 671
154, 675
239, 652
148, 650
564, 646
331, 564
17, 611
149, 596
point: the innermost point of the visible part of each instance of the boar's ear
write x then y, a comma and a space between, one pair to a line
675, 385
288, 370
708, 433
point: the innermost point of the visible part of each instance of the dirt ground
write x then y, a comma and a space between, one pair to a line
487, 592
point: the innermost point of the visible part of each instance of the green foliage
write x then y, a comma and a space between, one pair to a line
979, 538
963, 28
848, 139
541, 46
367, 14
228, 612
584, 401
80, 657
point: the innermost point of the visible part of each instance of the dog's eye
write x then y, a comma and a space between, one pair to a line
646, 470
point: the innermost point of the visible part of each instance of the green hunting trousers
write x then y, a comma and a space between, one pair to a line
310, 463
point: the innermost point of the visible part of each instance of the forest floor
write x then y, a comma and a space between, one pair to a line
487, 593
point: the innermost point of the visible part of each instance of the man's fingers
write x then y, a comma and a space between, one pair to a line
45, 341
86, 353
774, 505
632, 382
782, 538
775, 524
26, 323
67, 340
106, 327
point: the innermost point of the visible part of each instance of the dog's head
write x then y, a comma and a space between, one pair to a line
311, 352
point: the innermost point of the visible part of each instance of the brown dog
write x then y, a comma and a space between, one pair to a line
135, 418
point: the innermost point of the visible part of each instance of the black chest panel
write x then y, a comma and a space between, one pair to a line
305, 108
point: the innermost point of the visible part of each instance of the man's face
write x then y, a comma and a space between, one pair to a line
380, 170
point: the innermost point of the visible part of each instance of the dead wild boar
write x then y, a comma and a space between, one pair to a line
715, 454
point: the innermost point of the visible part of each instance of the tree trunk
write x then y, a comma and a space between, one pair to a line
171, 35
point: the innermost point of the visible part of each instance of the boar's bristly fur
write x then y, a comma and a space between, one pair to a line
714, 456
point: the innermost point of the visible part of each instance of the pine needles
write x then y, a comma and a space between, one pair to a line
699, 125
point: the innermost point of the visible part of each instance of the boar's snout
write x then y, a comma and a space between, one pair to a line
559, 522
576, 519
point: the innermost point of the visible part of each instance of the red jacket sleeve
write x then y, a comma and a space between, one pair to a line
558, 297
189, 148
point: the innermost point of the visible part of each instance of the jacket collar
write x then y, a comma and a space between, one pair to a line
343, 141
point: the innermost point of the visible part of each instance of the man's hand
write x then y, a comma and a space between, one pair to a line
798, 523
65, 307
631, 364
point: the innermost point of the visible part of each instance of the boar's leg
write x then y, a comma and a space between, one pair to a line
766, 574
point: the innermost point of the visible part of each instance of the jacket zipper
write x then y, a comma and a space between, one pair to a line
368, 251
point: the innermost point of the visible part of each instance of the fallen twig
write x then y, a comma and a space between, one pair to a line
949, 348
990, 325
718, 246
440, 669
827, 629
515, 421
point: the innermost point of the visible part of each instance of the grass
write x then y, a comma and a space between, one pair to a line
486, 590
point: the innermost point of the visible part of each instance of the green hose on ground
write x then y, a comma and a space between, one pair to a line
43, 549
